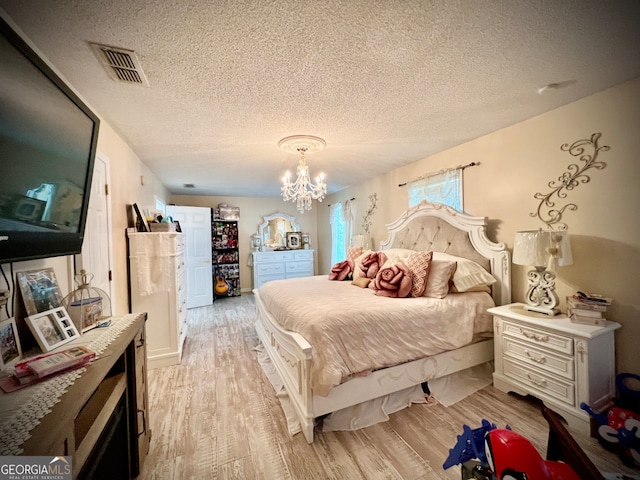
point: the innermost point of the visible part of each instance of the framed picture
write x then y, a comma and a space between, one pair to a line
293, 240
52, 328
27, 208
40, 290
178, 227
141, 221
9, 342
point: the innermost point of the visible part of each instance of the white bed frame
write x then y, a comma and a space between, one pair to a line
427, 226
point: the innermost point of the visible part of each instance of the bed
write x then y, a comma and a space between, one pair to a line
316, 388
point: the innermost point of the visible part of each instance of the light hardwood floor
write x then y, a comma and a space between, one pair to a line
216, 416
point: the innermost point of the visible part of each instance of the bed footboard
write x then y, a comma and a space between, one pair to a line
290, 354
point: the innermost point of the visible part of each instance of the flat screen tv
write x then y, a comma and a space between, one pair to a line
48, 140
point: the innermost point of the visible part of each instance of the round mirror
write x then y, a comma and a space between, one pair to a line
273, 230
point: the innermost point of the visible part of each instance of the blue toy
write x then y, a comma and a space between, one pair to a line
470, 445
619, 429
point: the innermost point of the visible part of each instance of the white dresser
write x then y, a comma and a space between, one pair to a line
557, 361
159, 287
273, 265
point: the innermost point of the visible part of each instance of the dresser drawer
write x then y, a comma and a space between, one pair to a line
299, 267
539, 358
540, 381
552, 341
303, 255
262, 279
270, 268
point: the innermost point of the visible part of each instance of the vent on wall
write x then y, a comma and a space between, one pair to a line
122, 64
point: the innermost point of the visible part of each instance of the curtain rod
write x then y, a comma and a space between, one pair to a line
352, 198
444, 170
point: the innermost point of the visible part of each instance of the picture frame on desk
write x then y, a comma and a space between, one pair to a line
294, 240
40, 290
141, 221
52, 328
10, 349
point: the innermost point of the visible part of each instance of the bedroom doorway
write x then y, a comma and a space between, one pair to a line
195, 223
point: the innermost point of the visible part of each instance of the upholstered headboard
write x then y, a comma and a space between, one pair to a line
439, 228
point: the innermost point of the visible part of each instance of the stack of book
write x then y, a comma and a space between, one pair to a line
587, 309
40, 368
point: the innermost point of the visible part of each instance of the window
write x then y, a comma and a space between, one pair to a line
442, 187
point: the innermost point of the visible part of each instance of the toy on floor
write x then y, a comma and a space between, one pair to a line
511, 456
619, 429
504, 454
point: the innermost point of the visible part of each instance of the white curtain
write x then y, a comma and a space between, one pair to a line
348, 216
442, 187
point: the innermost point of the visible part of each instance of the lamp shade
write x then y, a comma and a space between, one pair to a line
536, 247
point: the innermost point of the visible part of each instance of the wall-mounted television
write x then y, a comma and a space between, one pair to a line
48, 140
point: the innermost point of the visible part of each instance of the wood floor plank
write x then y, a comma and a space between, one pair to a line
216, 416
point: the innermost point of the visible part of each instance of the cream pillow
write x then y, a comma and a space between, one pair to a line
469, 275
440, 275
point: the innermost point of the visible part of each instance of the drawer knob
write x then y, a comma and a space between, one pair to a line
537, 359
535, 336
541, 382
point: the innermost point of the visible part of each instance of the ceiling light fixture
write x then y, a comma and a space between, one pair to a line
302, 191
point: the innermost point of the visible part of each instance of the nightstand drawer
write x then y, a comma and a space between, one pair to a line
542, 338
539, 358
540, 381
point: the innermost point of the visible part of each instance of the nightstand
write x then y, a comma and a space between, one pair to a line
557, 361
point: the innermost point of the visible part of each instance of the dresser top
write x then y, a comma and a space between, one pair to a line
559, 323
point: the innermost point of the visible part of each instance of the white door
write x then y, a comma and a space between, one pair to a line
96, 247
195, 223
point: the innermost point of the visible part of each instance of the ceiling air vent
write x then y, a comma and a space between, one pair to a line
122, 64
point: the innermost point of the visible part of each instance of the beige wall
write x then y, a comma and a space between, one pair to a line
251, 212
519, 161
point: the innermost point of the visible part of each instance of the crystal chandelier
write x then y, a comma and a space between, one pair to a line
302, 191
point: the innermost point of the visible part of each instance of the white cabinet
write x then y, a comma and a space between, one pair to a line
560, 362
269, 266
159, 287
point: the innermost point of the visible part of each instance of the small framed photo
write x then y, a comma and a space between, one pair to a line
40, 290
141, 221
294, 241
178, 227
52, 328
10, 350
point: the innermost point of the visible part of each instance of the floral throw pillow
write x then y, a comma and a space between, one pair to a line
419, 264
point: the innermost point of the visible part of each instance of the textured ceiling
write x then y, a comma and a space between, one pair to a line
384, 82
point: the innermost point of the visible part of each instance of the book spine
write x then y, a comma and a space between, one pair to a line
587, 320
585, 313
572, 303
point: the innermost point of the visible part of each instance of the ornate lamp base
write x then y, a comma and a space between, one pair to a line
541, 295
547, 311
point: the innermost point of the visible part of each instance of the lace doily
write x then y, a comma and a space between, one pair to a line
41, 397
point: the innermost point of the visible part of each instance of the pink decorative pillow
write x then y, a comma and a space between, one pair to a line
419, 264
440, 274
356, 264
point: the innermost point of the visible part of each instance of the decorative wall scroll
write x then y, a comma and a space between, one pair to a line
574, 176
366, 222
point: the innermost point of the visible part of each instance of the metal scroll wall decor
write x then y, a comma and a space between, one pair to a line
587, 151
366, 223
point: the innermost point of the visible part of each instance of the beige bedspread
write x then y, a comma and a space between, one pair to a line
353, 331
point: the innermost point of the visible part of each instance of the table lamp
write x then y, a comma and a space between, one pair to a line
542, 249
